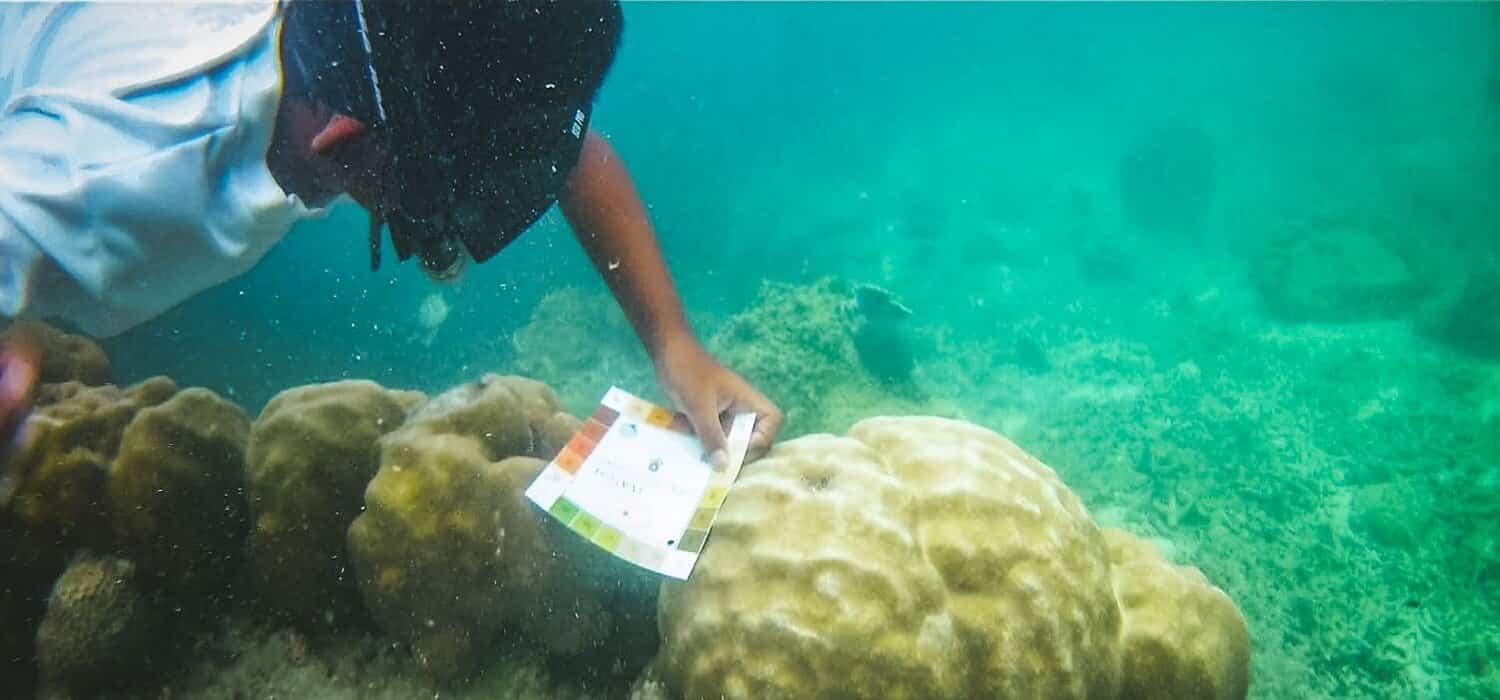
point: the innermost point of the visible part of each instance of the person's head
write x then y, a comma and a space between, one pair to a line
458, 122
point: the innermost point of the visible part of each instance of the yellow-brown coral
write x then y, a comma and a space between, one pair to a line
176, 488
311, 453
98, 626
1183, 637
60, 472
449, 553
920, 558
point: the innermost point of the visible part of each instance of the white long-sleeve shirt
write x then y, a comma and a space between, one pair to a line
133, 140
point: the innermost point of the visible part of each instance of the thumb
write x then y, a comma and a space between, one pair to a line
19, 370
703, 413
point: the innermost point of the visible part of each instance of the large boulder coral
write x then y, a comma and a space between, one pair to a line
98, 629
449, 553
311, 453
922, 557
52, 486
176, 489
1182, 637
150, 472
57, 478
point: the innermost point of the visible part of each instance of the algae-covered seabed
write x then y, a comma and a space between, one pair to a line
1224, 267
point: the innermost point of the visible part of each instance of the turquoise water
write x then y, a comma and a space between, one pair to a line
1231, 269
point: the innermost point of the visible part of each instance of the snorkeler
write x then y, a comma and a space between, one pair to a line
148, 152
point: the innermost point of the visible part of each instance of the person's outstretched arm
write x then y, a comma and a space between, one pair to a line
602, 206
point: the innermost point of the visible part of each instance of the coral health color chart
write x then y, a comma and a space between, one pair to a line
635, 481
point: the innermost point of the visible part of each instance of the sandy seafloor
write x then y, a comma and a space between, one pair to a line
1317, 427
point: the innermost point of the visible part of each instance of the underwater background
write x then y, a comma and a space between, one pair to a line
1230, 268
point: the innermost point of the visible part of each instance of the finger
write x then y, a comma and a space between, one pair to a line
703, 413
766, 428
18, 377
767, 423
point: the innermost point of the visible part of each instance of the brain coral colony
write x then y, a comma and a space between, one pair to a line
923, 557
913, 557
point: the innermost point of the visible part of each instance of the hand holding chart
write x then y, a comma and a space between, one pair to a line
635, 481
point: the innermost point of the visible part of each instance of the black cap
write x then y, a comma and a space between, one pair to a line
483, 106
